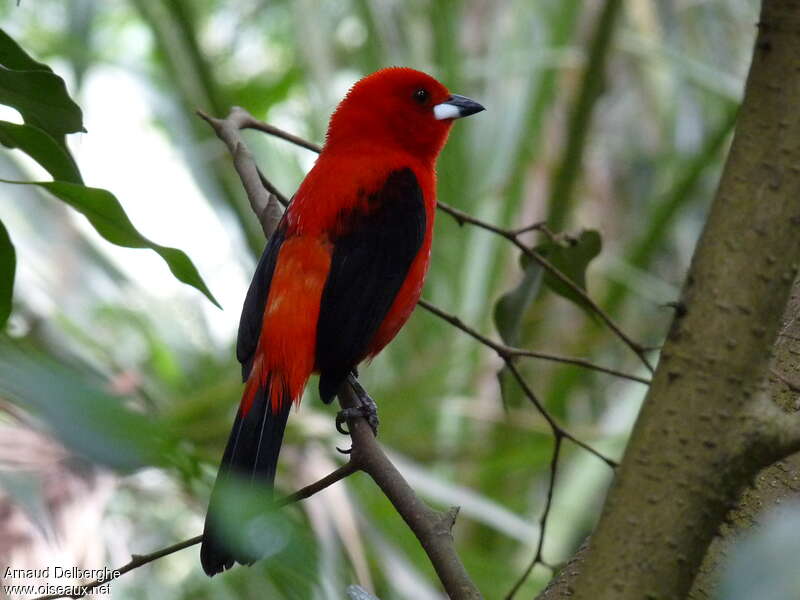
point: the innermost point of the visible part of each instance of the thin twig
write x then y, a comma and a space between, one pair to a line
537, 558
512, 236
228, 131
273, 190
509, 351
537, 226
138, 560
558, 430
580, 362
250, 122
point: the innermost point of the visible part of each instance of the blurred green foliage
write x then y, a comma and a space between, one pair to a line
604, 116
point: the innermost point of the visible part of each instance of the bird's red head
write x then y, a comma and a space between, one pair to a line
398, 108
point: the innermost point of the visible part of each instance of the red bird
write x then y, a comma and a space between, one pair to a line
342, 272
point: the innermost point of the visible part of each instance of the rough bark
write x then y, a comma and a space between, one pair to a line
777, 483
707, 425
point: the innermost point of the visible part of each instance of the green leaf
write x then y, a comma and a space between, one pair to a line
511, 307
509, 313
572, 260
12, 56
8, 266
42, 148
83, 416
42, 99
109, 219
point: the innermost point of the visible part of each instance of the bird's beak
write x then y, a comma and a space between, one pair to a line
456, 107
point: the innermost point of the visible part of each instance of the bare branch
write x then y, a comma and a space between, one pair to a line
537, 558
432, 528
557, 429
512, 236
509, 351
273, 190
248, 121
263, 204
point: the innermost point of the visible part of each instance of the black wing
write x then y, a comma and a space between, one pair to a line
256, 300
370, 261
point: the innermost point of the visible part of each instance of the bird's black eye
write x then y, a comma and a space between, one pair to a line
421, 96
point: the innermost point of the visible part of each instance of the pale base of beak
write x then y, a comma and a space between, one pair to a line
446, 111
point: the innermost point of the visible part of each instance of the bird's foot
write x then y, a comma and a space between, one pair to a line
366, 408
367, 405
368, 411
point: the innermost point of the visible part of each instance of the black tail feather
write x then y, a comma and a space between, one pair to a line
251, 455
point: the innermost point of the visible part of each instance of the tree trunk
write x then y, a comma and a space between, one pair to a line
708, 425
777, 483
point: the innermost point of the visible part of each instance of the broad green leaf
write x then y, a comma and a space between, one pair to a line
510, 308
572, 260
12, 56
107, 216
42, 148
83, 416
509, 313
42, 99
8, 266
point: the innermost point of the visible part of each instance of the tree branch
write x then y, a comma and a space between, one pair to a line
432, 528
557, 429
264, 204
702, 433
513, 235
510, 352
537, 558
777, 483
